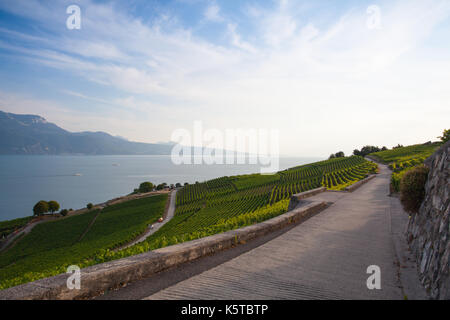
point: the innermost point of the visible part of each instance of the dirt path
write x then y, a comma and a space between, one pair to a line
89, 226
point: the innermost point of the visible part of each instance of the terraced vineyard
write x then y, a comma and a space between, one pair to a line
52, 246
417, 151
202, 209
227, 203
8, 227
206, 203
402, 159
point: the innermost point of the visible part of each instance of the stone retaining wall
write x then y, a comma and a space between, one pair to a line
359, 183
428, 230
295, 198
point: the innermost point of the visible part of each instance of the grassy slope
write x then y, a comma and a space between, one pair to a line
50, 247
7, 227
403, 159
406, 153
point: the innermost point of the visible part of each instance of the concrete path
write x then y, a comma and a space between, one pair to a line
157, 226
325, 257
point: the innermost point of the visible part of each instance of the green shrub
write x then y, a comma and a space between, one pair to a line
445, 135
396, 178
395, 182
145, 187
53, 206
412, 188
89, 206
40, 208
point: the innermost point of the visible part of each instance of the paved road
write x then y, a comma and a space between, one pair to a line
325, 257
157, 226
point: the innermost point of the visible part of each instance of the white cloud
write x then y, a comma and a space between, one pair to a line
278, 27
212, 13
236, 39
323, 87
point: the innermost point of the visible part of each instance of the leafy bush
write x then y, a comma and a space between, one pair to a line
161, 186
53, 206
146, 187
339, 154
40, 208
366, 150
412, 188
445, 135
89, 206
396, 178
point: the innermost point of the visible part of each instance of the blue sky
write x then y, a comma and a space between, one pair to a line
317, 71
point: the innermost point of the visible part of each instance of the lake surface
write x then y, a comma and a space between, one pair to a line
74, 181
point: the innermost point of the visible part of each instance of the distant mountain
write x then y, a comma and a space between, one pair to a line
32, 134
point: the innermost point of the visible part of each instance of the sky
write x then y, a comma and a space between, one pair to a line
328, 75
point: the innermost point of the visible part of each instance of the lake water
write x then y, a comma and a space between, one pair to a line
74, 181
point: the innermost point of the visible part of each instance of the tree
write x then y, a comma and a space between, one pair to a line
145, 187
340, 154
40, 208
178, 185
89, 206
186, 183
160, 186
64, 212
384, 149
332, 156
53, 206
445, 135
366, 150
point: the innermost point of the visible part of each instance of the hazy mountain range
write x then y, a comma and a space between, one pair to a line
32, 134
